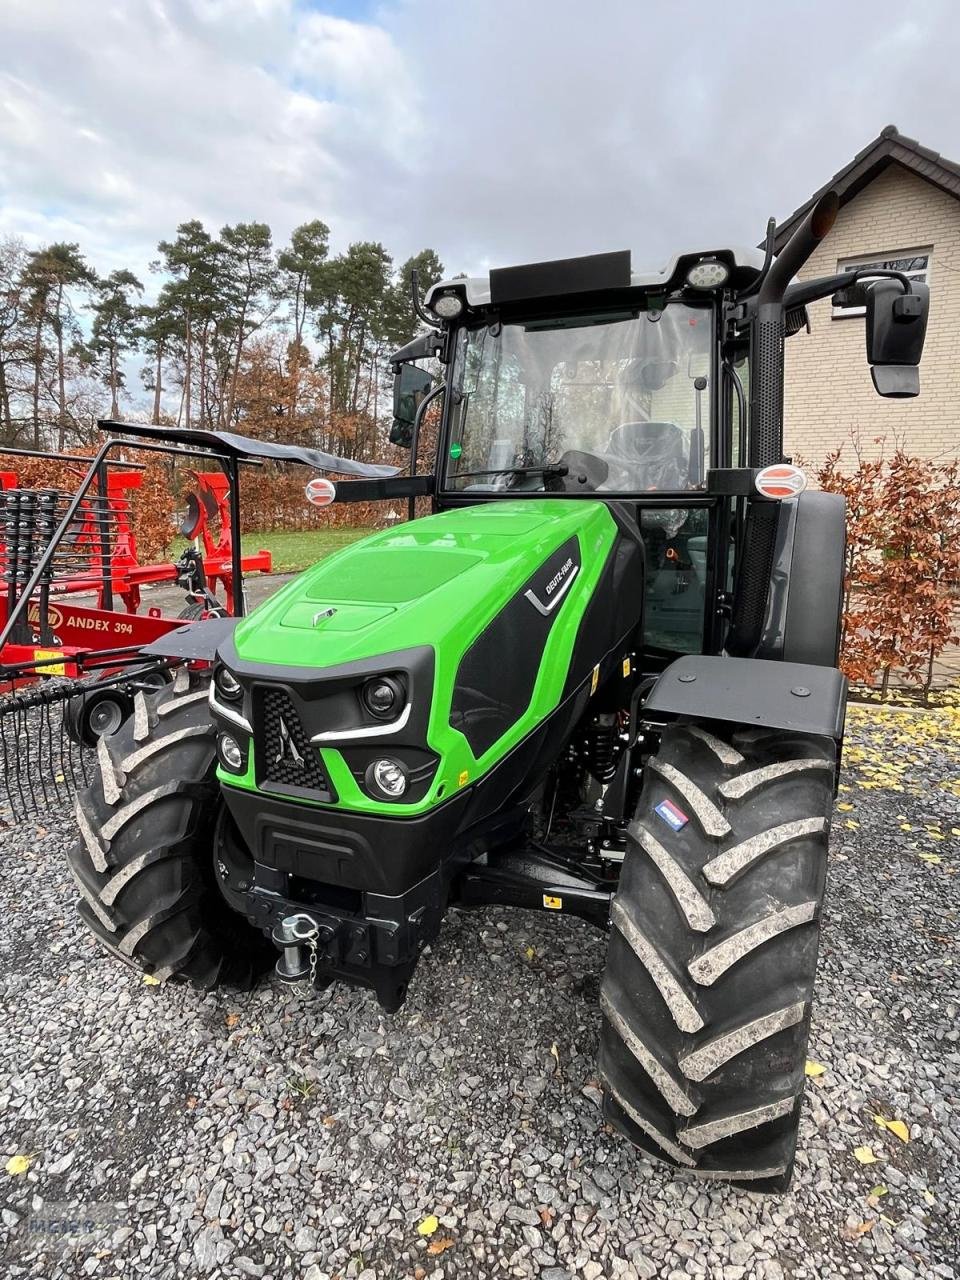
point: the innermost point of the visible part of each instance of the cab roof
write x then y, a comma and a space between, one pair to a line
592, 274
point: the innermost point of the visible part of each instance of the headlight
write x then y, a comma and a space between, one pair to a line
708, 273
389, 777
230, 752
228, 686
383, 696
447, 306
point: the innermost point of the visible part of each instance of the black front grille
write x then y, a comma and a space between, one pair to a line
284, 754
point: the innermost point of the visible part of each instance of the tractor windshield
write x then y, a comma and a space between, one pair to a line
609, 399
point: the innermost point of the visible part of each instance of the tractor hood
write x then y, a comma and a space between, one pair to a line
434, 582
486, 619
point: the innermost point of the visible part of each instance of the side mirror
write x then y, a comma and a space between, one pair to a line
896, 325
410, 386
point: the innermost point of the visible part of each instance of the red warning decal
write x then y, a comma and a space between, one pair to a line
780, 481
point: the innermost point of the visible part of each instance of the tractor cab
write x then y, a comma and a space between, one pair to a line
611, 396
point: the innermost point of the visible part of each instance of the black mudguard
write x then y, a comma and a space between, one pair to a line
794, 696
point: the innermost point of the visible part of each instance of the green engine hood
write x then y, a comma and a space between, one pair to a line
444, 583
433, 581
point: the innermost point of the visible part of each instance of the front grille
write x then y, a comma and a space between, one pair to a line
284, 754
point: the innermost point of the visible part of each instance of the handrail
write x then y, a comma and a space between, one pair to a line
10, 451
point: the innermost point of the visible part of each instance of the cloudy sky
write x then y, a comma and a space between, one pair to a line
496, 131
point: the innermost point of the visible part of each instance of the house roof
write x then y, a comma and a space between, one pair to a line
891, 147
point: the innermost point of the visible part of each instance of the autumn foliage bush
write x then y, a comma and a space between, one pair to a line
902, 584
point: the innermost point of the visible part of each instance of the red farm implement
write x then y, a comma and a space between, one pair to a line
75, 642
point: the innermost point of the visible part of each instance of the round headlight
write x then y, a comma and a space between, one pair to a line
230, 752
708, 273
383, 696
447, 306
390, 777
227, 684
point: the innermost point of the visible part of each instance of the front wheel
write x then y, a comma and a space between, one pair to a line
144, 863
707, 991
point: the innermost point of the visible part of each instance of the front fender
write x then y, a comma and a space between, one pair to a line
794, 696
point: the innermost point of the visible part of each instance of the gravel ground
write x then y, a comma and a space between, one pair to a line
284, 1135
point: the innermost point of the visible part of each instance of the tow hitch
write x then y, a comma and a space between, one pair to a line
297, 936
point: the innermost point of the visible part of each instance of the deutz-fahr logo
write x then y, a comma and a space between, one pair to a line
559, 576
546, 598
288, 748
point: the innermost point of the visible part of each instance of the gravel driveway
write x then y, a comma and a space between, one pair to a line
283, 1135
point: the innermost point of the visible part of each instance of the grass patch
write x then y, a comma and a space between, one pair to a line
293, 551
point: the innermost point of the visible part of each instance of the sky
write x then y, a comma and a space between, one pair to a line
495, 131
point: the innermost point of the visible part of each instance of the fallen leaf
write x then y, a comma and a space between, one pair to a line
555, 1054
329, 1121
851, 825
429, 1225
546, 1215
878, 1191
895, 1126
858, 1229
933, 858
929, 1197
232, 1019
441, 1245
150, 981
813, 1069
419, 1273
191, 1103
864, 1155
17, 1165
530, 953
844, 807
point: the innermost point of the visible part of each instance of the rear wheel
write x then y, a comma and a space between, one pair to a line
144, 863
707, 991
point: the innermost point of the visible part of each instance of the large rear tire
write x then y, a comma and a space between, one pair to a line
707, 991
144, 863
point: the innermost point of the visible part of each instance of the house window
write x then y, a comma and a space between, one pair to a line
914, 263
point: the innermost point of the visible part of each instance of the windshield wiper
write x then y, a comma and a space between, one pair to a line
549, 469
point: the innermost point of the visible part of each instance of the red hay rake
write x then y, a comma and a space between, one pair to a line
72, 669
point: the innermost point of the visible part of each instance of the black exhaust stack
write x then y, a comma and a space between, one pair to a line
755, 558
766, 348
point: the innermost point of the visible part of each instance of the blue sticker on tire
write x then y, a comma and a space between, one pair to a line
671, 815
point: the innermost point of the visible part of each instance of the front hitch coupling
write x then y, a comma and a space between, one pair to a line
297, 937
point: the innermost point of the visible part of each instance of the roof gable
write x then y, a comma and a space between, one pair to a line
891, 147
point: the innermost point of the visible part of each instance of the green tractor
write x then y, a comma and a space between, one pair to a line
599, 678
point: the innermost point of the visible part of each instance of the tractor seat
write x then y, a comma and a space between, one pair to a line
653, 453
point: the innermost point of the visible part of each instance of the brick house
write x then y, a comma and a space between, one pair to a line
899, 207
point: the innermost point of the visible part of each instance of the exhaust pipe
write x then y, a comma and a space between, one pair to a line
799, 248
755, 556
766, 350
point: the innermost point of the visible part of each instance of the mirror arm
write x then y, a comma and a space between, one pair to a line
425, 346
804, 291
